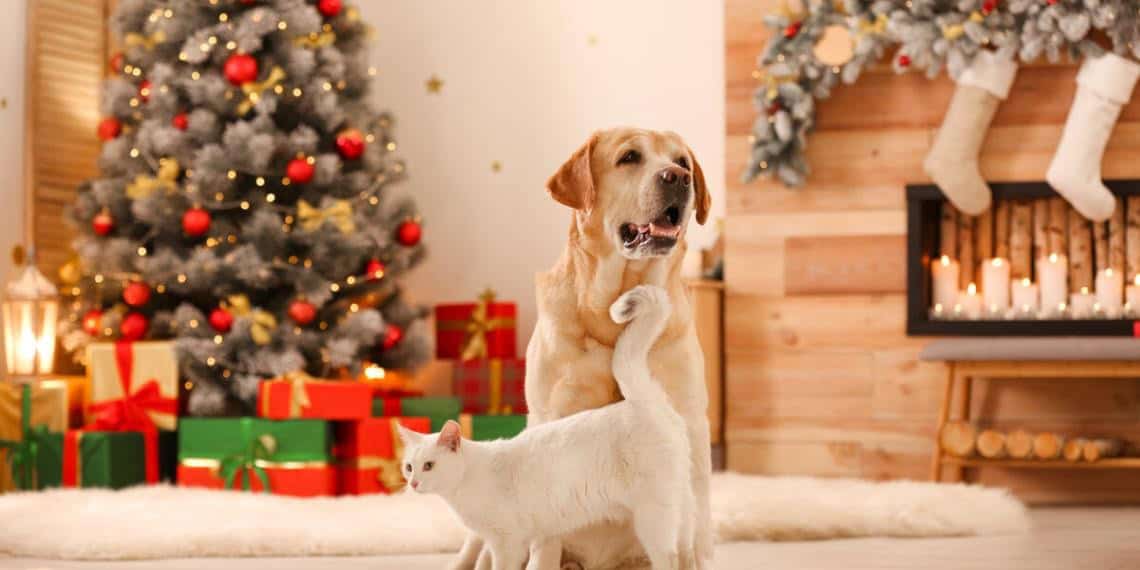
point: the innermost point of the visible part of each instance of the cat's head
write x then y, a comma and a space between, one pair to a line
433, 463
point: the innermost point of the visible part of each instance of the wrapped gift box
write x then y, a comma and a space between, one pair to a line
81, 458
487, 428
131, 376
485, 329
29, 415
289, 457
438, 409
491, 386
301, 396
369, 454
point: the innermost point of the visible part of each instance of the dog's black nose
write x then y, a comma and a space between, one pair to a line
675, 176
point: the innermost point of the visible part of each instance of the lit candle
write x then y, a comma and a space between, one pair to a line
1081, 304
995, 284
1110, 292
1024, 294
944, 278
1132, 294
971, 303
939, 312
1053, 278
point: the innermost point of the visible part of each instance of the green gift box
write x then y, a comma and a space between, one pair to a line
439, 409
80, 458
487, 428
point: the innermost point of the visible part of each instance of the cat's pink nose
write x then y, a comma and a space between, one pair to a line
415, 484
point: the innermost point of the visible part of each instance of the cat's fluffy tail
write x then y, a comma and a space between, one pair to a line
646, 308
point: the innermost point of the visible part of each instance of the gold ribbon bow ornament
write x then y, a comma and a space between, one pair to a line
263, 323
144, 41
315, 40
165, 180
254, 89
339, 214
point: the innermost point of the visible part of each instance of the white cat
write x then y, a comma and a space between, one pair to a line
629, 459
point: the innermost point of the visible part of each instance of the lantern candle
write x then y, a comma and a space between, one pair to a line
1024, 294
1053, 279
944, 277
995, 284
30, 310
971, 303
1132, 295
1110, 292
1081, 304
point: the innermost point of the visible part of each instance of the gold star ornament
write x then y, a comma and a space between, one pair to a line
434, 84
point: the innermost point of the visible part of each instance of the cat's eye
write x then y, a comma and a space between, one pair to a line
408, 467
429, 465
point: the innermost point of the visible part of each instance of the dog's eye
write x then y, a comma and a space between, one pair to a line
630, 157
428, 466
683, 162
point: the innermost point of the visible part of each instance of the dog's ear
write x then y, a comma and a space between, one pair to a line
573, 184
703, 200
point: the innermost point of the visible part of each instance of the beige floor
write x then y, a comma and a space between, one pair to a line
1062, 539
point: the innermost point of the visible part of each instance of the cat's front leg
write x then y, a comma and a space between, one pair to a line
468, 556
506, 553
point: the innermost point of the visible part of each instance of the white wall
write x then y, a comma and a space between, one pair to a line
524, 84
11, 135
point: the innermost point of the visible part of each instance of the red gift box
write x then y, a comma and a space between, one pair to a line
485, 329
298, 395
369, 453
298, 479
494, 386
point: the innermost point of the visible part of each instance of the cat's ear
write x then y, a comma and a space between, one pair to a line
411, 438
449, 436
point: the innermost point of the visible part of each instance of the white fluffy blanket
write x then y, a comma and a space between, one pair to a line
170, 522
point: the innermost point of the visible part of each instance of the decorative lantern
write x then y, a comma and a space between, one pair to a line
30, 309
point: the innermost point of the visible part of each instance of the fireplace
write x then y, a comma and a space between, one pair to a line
1050, 271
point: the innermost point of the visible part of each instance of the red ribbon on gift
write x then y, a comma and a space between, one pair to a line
130, 413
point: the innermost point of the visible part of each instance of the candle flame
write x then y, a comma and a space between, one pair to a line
945, 260
374, 372
938, 307
1061, 306
1052, 258
997, 262
1108, 272
1025, 282
1137, 280
972, 289
1084, 290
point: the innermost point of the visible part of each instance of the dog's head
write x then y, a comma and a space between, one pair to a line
633, 188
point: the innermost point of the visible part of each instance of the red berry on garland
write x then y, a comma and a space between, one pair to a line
116, 62
93, 322
302, 312
109, 128
392, 336
144, 90
409, 233
774, 108
792, 29
103, 223
180, 121
221, 320
136, 293
904, 60
329, 8
240, 68
196, 221
134, 326
350, 144
1051, 2
299, 170
989, 6
374, 269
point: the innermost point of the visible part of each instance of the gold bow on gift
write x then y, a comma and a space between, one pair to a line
299, 394
254, 89
139, 40
338, 214
261, 330
390, 475
477, 327
166, 180
315, 40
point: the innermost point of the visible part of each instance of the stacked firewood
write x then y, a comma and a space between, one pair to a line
962, 439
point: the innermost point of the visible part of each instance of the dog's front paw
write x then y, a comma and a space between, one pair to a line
637, 300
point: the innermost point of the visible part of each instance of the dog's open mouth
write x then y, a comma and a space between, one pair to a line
658, 236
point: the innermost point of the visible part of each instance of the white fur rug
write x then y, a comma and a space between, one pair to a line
172, 522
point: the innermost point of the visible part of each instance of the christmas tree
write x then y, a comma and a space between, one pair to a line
242, 207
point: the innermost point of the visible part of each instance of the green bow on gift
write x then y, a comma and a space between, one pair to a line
260, 449
23, 455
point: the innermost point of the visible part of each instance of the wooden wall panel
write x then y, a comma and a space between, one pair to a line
821, 378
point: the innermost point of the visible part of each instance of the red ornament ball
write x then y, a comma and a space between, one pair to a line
989, 6
392, 336
134, 326
350, 144
103, 223
116, 61
302, 312
409, 233
196, 221
240, 68
329, 8
904, 60
136, 293
374, 269
221, 320
93, 322
299, 170
109, 128
792, 29
180, 121
144, 90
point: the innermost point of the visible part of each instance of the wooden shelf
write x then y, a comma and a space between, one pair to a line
1110, 463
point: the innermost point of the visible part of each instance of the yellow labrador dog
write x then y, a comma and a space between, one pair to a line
632, 192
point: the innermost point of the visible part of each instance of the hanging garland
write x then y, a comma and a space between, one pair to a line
824, 43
